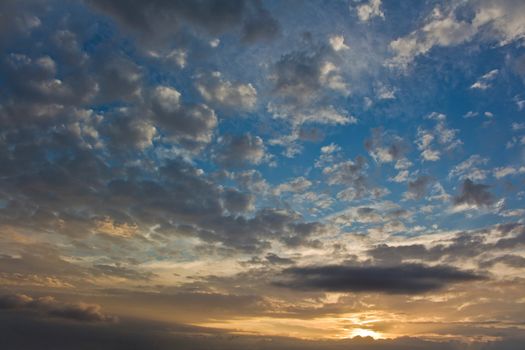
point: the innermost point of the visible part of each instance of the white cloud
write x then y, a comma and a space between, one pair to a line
507, 171
369, 10
428, 140
484, 82
494, 20
338, 43
470, 114
235, 96
470, 169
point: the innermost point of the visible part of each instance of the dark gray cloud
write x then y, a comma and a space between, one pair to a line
464, 245
278, 260
127, 131
418, 188
299, 74
239, 150
400, 279
191, 125
473, 194
160, 20
51, 307
260, 25
238, 202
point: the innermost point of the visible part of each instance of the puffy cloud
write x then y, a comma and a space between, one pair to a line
493, 21
507, 171
36, 81
190, 124
401, 279
251, 180
236, 151
297, 185
300, 75
158, 20
338, 43
369, 10
351, 174
440, 134
385, 147
126, 130
222, 93
470, 168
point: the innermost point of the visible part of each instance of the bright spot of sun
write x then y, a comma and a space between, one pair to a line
362, 332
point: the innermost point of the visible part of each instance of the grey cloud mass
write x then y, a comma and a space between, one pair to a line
161, 18
401, 279
474, 194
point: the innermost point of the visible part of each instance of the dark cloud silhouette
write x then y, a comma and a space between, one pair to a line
162, 19
418, 188
400, 279
465, 244
474, 194
239, 150
278, 260
51, 307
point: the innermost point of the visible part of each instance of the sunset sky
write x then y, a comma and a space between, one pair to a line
230, 174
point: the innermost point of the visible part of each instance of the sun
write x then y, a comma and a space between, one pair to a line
362, 332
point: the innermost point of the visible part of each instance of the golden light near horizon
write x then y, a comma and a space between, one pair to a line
362, 332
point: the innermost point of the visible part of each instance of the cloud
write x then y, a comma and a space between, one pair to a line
401, 279
493, 21
369, 10
351, 174
238, 202
508, 171
385, 147
418, 188
470, 169
484, 82
158, 20
259, 25
51, 307
474, 195
511, 260
301, 75
337, 42
127, 130
297, 185
427, 139
470, 244
236, 151
277, 260
190, 124
224, 94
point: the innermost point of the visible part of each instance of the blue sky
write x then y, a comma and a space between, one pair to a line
266, 151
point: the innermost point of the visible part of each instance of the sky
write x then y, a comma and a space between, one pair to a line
232, 174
